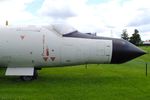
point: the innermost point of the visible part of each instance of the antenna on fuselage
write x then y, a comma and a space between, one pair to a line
111, 33
6, 23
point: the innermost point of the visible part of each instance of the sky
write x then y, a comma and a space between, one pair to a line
106, 17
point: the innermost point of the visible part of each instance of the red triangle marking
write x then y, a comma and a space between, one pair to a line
45, 58
22, 37
52, 58
47, 52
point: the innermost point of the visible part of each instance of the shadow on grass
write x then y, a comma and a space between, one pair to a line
65, 79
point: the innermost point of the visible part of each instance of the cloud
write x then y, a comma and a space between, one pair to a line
60, 13
144, 28
143, 18
14, 10
86, 15
58, 9
101, 17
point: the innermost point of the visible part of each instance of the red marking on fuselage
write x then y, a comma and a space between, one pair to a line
43, 39
52, 58
43, 44
45, 58
47, 52
22, 37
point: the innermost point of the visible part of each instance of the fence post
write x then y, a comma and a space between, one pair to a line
146, 68
85, 66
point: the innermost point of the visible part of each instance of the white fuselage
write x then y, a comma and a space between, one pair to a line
42, 47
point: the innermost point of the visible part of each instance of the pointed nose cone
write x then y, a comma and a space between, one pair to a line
124, 51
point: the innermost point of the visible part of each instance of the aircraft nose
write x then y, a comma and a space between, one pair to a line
124, 51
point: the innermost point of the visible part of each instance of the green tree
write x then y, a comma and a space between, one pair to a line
124, 35
135, 38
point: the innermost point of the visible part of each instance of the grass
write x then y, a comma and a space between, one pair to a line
97, 82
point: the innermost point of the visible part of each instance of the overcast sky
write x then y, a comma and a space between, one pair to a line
106, 17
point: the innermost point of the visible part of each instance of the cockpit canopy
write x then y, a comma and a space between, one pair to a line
61, 29
66, 30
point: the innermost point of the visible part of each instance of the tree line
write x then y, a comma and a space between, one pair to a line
135, 38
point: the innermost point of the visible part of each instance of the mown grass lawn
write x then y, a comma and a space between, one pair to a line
97, 82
